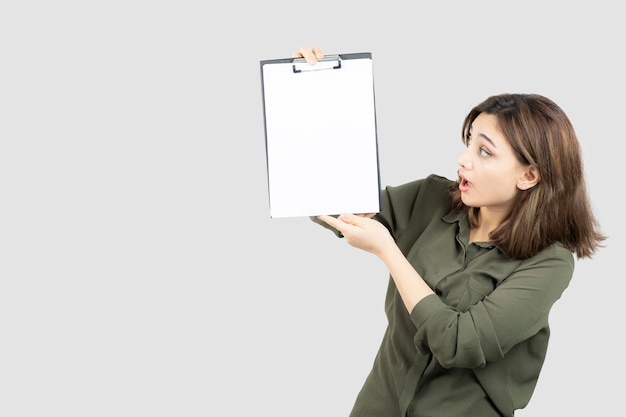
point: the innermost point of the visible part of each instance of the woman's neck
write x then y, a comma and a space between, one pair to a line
487, 222
479, 235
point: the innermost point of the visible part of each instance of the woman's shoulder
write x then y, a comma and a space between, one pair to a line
432, 181
555, 254
430, 194
437, 180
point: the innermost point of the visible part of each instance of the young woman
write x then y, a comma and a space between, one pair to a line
475, 264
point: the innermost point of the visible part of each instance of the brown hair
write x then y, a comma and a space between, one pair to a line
557, 209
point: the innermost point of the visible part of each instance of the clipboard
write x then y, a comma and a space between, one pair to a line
320, 135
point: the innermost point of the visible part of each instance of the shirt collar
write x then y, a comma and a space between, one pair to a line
462, 219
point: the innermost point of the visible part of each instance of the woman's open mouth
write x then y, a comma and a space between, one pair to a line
464, 185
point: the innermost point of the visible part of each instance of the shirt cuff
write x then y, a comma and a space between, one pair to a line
425, 308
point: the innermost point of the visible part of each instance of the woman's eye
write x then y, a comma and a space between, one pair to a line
484, 152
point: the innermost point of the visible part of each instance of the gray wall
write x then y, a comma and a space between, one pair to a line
140, 271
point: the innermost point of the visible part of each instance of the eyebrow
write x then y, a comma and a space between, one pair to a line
482, 135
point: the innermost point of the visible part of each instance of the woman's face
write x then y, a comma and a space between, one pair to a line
490, 172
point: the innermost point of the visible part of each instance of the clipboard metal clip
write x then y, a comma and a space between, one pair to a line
327, 62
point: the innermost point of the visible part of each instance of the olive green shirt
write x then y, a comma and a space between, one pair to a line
475, 348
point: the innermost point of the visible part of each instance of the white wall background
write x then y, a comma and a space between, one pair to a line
140, 273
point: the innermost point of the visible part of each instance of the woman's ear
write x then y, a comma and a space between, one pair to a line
530, 178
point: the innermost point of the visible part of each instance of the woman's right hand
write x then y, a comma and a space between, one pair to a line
310, 54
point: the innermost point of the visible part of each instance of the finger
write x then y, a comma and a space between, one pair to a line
334, 222
366, 215
306, 53
319, 54
350, 218
328, 219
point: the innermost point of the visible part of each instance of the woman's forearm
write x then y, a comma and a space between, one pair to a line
411, 286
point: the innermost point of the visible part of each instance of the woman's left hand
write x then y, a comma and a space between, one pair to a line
362, 232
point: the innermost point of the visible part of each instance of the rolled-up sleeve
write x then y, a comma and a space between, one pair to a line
516, 310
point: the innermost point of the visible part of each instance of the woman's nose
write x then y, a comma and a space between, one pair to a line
464, 161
